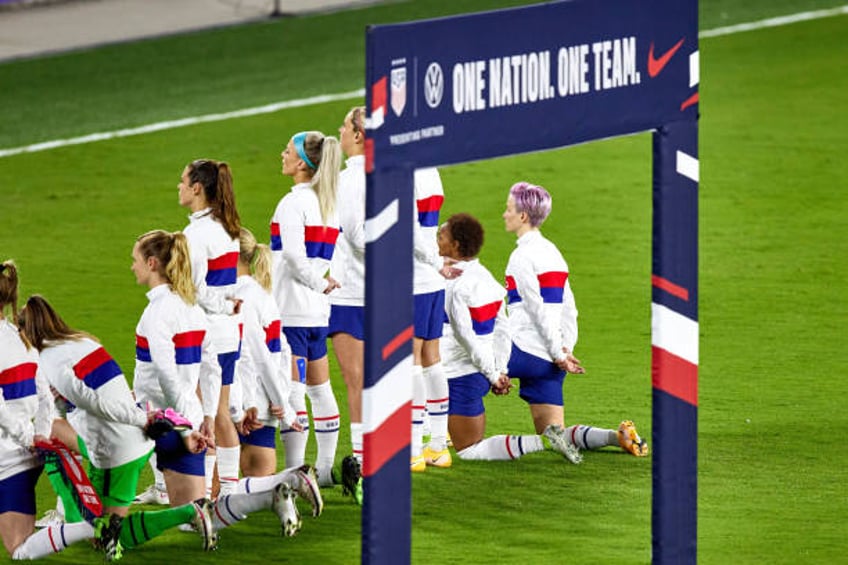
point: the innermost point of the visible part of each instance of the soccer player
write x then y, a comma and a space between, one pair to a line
111, 425
304, 229
175, 358
26, 413
429, 383
265, 363
347, 303
206, 189
543, 326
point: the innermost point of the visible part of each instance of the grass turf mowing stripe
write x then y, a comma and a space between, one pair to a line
321, 99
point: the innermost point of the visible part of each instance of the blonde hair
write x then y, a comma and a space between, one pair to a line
326, 153
9, 286
257, 256
174, 264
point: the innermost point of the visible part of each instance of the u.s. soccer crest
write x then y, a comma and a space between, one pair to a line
398, 90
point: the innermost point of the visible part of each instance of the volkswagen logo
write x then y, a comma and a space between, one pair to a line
434, 85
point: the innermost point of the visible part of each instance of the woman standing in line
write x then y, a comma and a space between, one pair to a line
429, 383
347, 303
206, 189
543, 326
304, 229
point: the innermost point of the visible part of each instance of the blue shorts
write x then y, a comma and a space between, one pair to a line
541, 380
466, 395
347, 319
429, 314
266, 436
307, 342
172, 454
17, 493
227, 361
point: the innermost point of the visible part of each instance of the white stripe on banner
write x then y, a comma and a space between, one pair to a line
694, 69
381, 223
687, 166
385, 398
674, 332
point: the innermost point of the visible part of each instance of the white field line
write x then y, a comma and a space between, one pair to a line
314, 100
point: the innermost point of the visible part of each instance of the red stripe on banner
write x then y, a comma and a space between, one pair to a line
378, 94
486, 312
90, 362
674, 375
386, 441
396, 342
689, 102
18, 373
670, 287
225, 261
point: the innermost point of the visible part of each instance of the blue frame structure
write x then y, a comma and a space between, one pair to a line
478, 86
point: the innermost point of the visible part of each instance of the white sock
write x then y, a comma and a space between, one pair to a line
325, 418
158, 476
52, 539
208, 473
294, 441
419, 400
437, 405
228, 468
502, 448
232, 508
60, 506
251, 485
356, 440
587, 437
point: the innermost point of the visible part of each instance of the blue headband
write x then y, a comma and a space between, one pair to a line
298, 140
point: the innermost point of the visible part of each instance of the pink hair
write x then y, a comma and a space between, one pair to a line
532, 199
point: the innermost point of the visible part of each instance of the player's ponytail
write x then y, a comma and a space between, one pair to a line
178, 269
257, 257
323, 156
9, 286
216, 178
173, 264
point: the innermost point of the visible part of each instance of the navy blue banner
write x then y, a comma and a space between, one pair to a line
484, 85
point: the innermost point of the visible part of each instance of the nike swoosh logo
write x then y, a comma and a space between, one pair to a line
655, 66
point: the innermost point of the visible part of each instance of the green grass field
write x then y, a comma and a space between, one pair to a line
772, 275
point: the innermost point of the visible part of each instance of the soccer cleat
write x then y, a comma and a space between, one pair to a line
352, 478
437, 458
630, 441
51, 518
202, 523
449, 442
307, 488
417, 464
152, 495
561, 443
284, 507
107, 531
